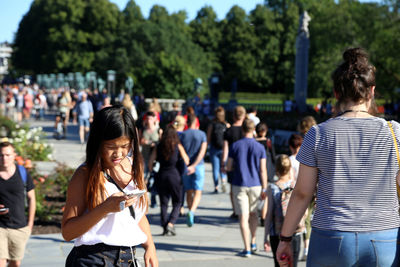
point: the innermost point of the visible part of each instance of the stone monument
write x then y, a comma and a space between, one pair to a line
301, 69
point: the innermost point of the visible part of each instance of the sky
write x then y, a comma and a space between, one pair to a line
12, 11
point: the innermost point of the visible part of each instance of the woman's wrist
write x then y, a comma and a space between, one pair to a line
284, 238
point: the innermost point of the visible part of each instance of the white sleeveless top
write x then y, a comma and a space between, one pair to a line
117, 228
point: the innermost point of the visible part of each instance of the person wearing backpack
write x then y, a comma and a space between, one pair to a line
278, 194
15, 187
215, 137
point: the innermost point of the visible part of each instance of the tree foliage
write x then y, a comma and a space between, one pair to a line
165, 52
66, 35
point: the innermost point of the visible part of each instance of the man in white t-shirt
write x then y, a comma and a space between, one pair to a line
295, 141
252, 114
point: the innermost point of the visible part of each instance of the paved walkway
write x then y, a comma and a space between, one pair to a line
214, 240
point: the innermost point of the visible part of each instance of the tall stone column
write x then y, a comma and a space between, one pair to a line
301, 69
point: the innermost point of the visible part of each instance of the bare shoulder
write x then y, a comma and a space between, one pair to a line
79, 178
76, 204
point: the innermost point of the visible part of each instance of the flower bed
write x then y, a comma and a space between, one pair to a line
51, 186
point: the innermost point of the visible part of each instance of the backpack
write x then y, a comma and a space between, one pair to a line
217, 134
286, 193
24, 177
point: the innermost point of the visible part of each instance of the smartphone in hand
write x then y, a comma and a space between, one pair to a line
137, 194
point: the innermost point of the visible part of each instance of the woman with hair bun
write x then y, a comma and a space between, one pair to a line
106, 205
351, 162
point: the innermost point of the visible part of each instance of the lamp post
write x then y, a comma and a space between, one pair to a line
93, 78
111, 82
91, 81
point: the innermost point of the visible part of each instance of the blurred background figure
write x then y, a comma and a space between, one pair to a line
215, 139
127, 102
168, 180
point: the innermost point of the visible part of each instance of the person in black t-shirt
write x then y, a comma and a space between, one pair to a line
215, 138
231, 135
15, 228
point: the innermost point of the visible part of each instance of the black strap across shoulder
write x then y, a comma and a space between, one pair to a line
111, 180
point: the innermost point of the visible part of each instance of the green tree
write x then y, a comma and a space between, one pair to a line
169, 60
286, 16
66, 35
237, 50
129, 51
207, 34
267, 49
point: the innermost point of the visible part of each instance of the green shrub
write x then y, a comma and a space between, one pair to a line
43, 187
61, 178
30, 144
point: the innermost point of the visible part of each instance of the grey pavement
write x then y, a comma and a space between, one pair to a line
214, 239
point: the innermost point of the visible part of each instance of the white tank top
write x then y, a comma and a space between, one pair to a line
117, 228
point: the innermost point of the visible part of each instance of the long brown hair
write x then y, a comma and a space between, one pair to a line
111, 123
220, 114
168, 142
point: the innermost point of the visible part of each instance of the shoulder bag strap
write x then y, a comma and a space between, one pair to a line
111, 180
397, 153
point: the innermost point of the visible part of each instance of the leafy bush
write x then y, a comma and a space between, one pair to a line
51, 192
43, 187
28, 143
61, 178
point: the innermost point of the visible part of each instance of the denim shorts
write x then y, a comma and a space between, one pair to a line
195, 181
341, 249
102, 255
84, 122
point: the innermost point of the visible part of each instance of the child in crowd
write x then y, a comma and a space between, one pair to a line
278, 194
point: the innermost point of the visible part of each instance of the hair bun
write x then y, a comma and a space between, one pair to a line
355, 56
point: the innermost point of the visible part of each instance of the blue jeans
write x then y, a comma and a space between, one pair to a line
215, 156
341, 249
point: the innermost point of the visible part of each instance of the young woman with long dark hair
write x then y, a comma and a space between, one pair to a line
168, 180
105, 220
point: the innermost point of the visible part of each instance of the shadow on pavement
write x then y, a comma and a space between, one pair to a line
191, 249
48, 238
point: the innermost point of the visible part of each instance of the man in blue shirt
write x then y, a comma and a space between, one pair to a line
247, 160
195, 143
84, 109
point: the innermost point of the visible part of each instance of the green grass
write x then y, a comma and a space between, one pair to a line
269, 98
252, 98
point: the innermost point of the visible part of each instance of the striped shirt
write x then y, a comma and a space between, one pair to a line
357, 167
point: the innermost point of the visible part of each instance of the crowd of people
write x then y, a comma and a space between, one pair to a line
308, 195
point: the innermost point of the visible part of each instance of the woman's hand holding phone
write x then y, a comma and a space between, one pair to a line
133, 197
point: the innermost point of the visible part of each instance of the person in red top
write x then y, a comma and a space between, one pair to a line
190, 110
